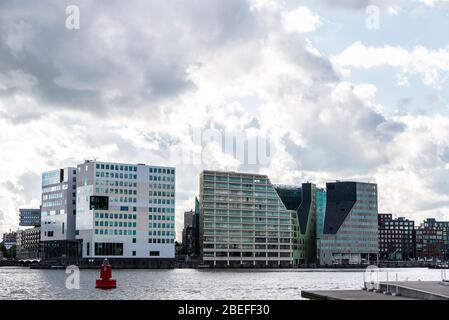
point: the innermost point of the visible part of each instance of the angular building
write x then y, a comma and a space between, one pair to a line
30, 217
243, 221
126, 211
290, 196
307, 214
395, 238
350, 233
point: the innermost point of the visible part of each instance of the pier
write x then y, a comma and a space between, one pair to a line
404, 290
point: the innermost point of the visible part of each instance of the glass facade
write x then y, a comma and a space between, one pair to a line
320, 211
243, 221
350, 229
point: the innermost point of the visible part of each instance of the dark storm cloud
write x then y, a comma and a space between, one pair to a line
123, 57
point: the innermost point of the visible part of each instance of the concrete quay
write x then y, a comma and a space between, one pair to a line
405, 290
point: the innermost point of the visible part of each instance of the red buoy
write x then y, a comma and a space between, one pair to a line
105, 281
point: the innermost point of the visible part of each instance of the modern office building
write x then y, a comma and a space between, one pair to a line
290, 196
350, 233
442, 225
243, 221
58, 211
126, 211
30, 217
395, 238
29, 244
307, 214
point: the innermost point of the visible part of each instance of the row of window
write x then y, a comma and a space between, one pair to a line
162, 178
111, 183
115, 232
235, 179
247, 254
102, 215
161, 225
116, 167
161, 218
161, 233
101, 174
162, 210
124, 224
162, 171
162, 201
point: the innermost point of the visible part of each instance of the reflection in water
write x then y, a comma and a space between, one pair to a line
24, 283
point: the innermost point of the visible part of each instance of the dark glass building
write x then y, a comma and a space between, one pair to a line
307, 213
291, 196
190, 233
350, 232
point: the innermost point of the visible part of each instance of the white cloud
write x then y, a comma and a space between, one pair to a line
431, 65
432, 3
301, 20
135, 91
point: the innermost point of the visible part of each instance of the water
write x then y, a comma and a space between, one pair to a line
24, 283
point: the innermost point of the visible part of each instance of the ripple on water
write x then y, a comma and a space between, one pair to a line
24, 283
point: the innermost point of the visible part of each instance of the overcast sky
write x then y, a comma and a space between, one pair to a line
339, 92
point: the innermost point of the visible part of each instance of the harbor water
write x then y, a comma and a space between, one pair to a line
191, 284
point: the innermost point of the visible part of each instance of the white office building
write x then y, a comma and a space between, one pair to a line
58, 212
125, 210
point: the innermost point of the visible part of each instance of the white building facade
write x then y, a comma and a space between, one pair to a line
58, 212
125, 210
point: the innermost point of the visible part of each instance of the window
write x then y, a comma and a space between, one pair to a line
154, 253
99, 203
134, 253
108, 249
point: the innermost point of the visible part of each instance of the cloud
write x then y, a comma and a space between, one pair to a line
138, 83
301, 20
359, 4
431, 65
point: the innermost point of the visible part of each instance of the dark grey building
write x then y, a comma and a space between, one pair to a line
291, 196
30, 217
190, 233
188, 223
350, 233
307, 214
